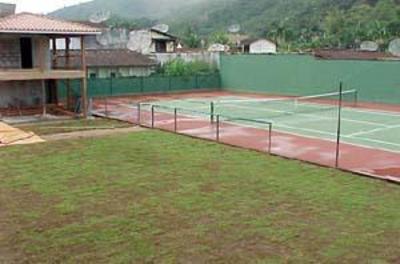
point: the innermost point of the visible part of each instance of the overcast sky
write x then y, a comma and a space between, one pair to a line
41, 6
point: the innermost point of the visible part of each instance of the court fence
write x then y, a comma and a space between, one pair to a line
299, 75
109, 87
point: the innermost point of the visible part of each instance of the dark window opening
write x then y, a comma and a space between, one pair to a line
26, 53
246, 49
161, 46
93, 76
113, 75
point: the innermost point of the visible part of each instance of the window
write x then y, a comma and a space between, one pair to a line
26, 53
93, 76
161, 46
113, 75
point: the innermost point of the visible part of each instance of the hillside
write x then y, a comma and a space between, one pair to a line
291, 23
134, 9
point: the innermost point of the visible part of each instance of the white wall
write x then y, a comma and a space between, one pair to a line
212, 58
262, 47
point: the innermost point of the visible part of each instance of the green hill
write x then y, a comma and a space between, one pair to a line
291, 23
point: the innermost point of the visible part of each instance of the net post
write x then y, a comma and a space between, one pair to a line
269, 138
175, 120
139, 114
212, 112
339, 126
152, 116
218, 128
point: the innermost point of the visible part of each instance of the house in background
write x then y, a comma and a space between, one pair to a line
28, 71
152, 41
114, 63
258, 46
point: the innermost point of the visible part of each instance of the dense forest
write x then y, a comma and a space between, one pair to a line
293, 24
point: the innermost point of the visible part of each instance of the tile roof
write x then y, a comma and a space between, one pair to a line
344, 54
27, 23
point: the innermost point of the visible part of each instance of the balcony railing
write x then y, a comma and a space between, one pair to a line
39, 74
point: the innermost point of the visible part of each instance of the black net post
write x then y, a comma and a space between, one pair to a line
218, 128
176, 120
152, 116
212, 112
339, 126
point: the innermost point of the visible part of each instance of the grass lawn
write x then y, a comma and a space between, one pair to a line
56, 127
159, 197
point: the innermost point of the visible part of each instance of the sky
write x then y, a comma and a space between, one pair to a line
41, 6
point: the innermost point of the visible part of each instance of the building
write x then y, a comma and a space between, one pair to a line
258, 46
152, 41
114, 63
28, 70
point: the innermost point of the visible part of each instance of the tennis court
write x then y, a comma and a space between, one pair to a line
303, 128
313, 116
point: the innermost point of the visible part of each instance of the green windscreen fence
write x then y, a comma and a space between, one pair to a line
142, 85
376, 81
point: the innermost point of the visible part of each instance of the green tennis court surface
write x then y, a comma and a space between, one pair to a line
310, 118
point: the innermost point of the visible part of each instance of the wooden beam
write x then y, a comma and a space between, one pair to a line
37, 74
84, 79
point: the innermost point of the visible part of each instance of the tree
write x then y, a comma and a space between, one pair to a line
191, 39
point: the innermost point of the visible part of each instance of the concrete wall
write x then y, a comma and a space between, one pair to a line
22, 93
212, 58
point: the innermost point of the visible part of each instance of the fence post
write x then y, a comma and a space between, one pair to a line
270, 139
218, 127
139, 116
106, 105
212, 112
176, 120
152, 116
339, 126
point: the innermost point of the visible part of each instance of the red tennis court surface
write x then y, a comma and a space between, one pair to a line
367, 161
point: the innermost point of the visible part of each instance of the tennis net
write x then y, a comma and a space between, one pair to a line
275, 107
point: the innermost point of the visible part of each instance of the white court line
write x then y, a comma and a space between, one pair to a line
321, 117
372, 131
344, 136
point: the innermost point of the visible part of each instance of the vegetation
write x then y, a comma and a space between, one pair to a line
179, 67
158, 197
293, 24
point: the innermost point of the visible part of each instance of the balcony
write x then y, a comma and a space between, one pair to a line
38, 74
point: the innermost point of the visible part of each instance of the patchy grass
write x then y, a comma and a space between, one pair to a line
49, 128
158, 197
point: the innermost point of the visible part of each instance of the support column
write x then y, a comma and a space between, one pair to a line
44, 98
67, 65
54, 84
84, 80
